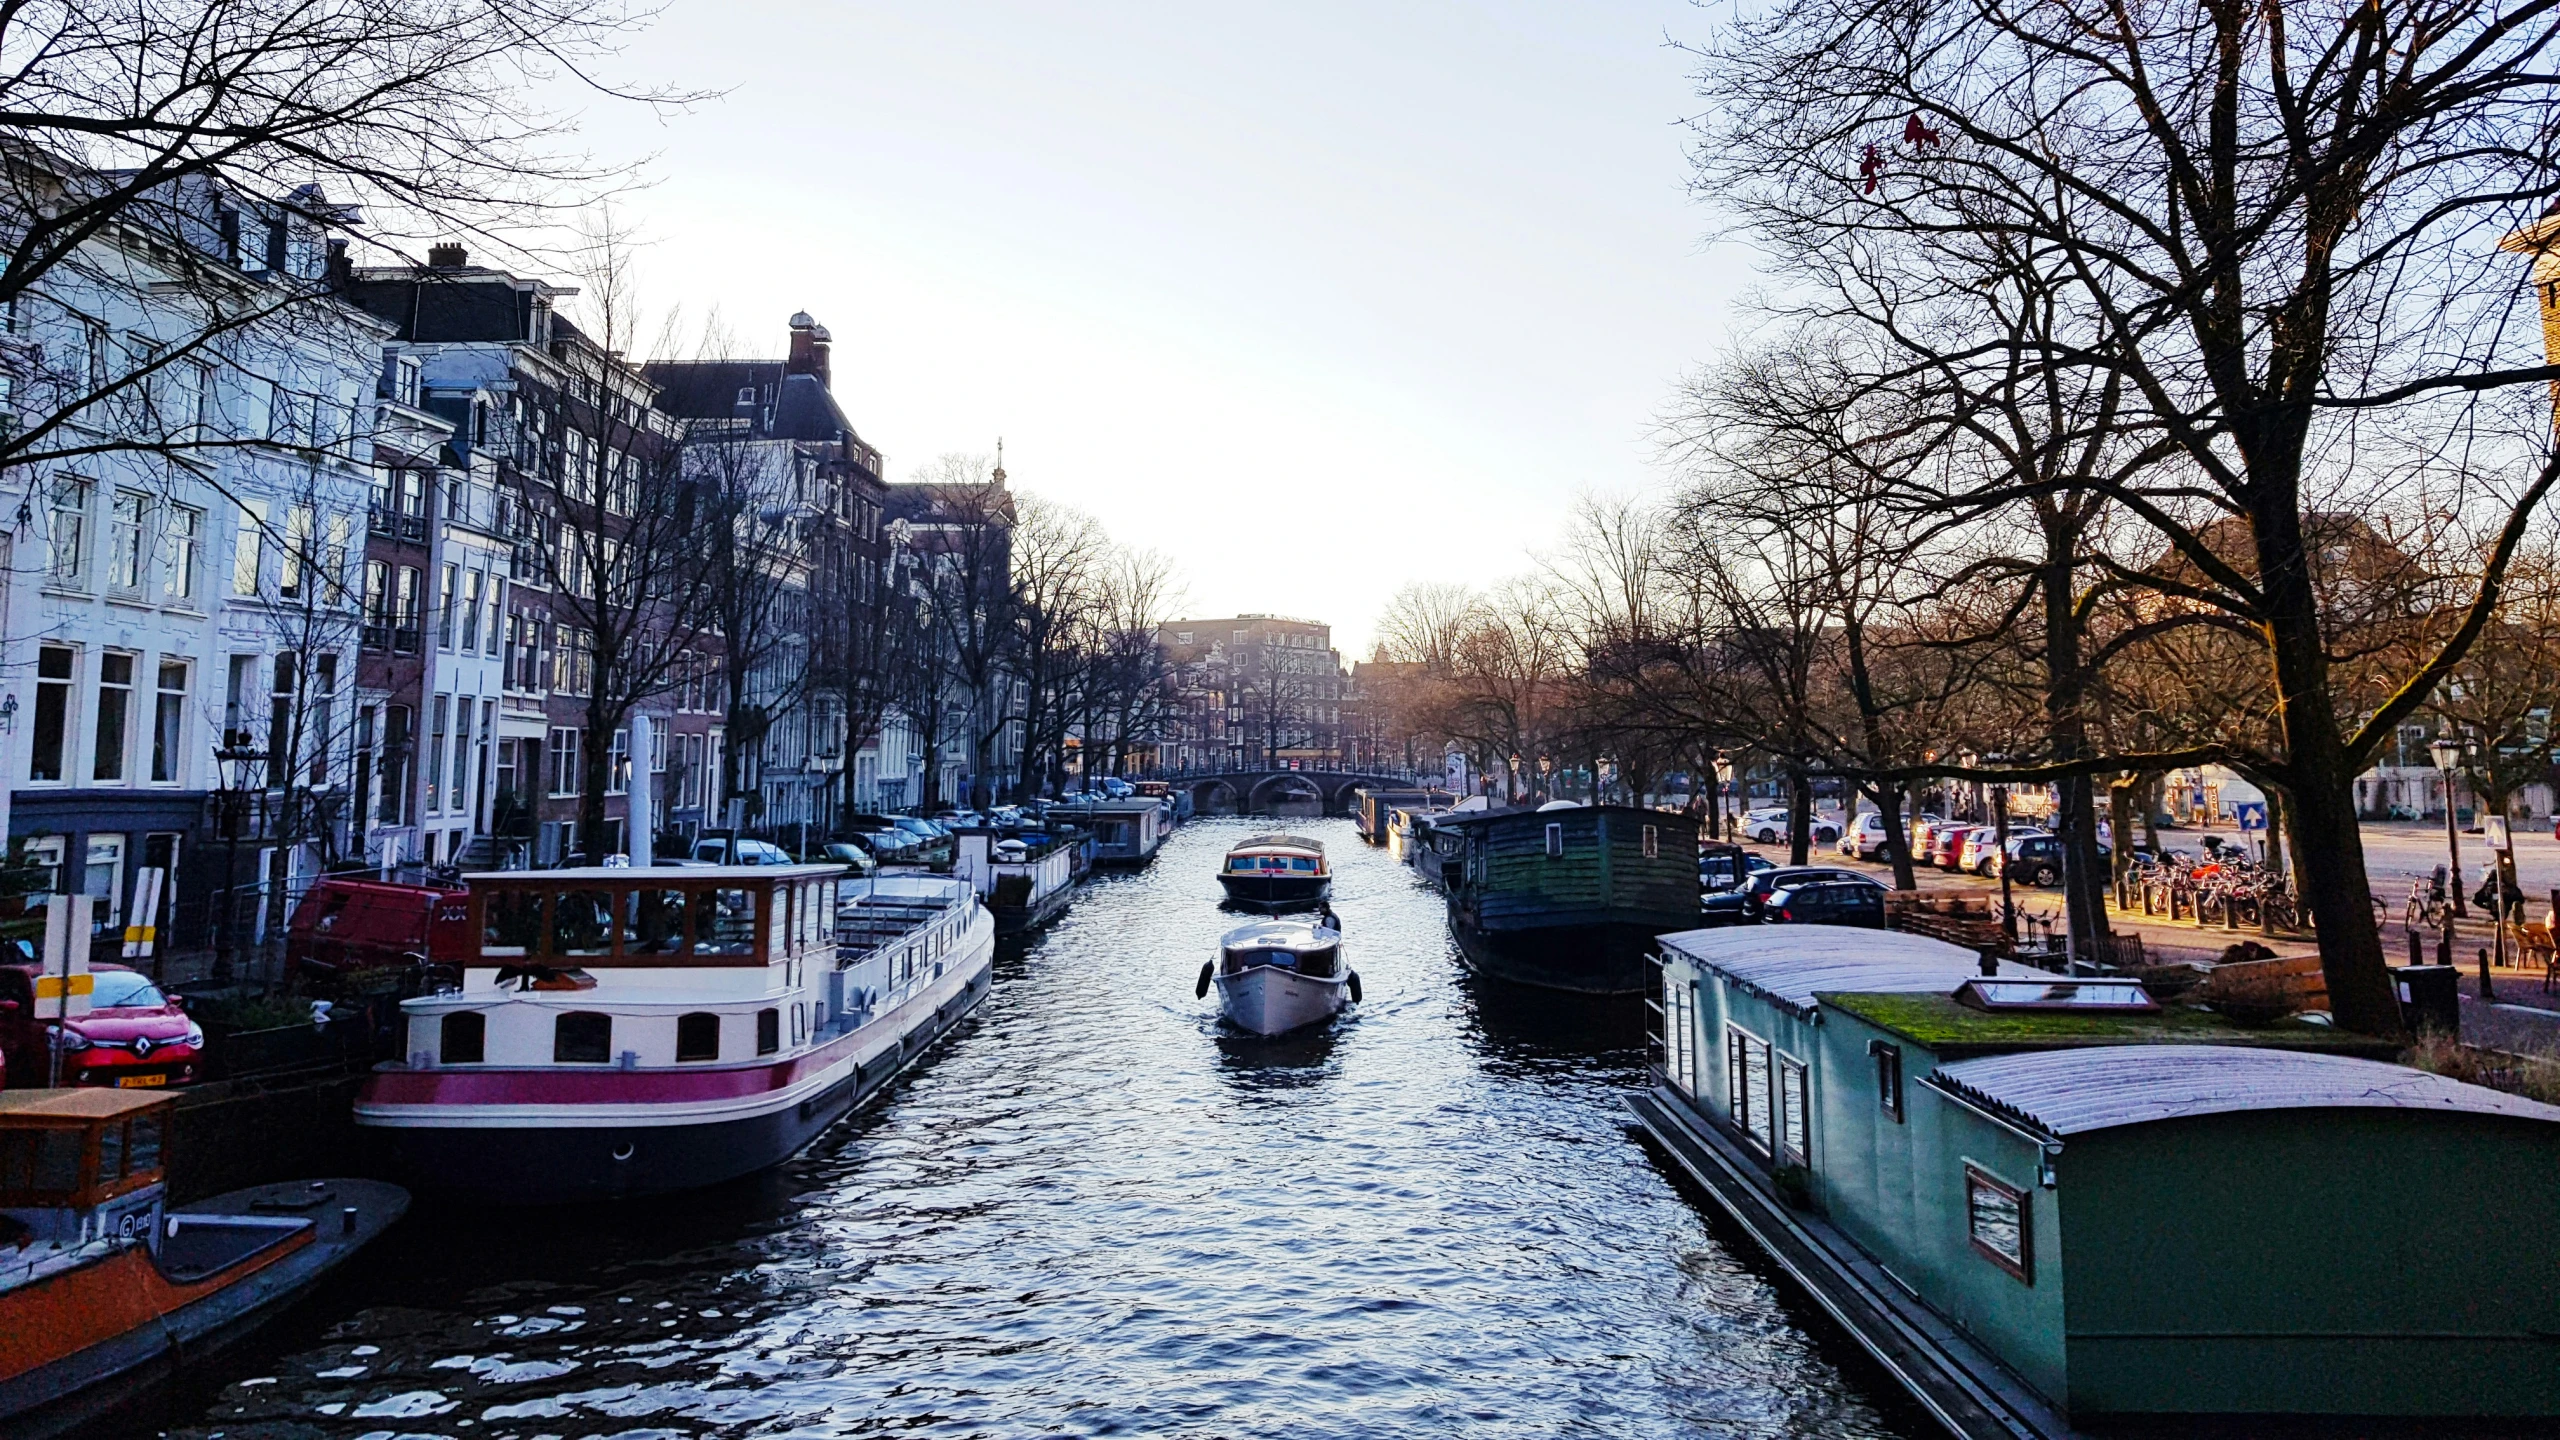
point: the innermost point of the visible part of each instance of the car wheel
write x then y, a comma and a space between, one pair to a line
1766, 837
2044, 876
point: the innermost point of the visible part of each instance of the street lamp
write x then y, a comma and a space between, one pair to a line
232, 764
2445, 750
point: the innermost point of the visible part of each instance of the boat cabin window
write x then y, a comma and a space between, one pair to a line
511, 921
727, 924
657, 923
768, 1031
2084, 994
582, 1037
1746, 1060
698, 1036
463, 1038
1888, 1060
1555, 842
1996, 1221
1795, 1143
582, 923
1652, 842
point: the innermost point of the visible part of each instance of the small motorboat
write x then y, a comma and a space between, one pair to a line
1277, 873
1275, 976
102, 1281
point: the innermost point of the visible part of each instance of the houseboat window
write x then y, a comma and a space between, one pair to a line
1555, 842
582, 1037
778, 925
1888, 1060
727, 925
582, 923
511, 920
768, 1031
1794, 1105
657, 926
1746, 1058
463, 1038
111, 1155
698, 1036
53, 1164
1996, 1219
1652, 842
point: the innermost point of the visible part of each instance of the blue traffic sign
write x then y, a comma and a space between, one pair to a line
2252, 815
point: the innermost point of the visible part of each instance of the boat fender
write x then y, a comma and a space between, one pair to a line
1207, 969
1355, 986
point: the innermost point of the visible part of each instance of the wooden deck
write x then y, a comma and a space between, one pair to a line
1971, 1393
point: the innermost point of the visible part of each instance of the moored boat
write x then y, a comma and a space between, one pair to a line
1026, 881
100, 1280
1274, 976
625, 1032
1276, 873
1568, 897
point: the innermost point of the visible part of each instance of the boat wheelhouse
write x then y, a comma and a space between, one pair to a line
100, 1278
1276, 872
1373, 808
625, 1031
1026, 881
1126, 833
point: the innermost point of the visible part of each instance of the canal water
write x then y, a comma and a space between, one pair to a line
1094, 1213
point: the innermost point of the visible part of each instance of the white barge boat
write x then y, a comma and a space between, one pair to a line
626, 1032
1274, 976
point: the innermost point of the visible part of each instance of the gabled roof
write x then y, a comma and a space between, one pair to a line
2072, 1092
1790, 964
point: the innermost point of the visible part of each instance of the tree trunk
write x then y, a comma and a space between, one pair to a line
2066, 729
1897, 837
1799, 816
595, 746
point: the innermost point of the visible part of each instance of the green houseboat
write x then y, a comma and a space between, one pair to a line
2048, 1203
1569, 897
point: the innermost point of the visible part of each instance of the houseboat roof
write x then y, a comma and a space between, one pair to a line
1791, 964
2072, 1092
76, 1107
628, 874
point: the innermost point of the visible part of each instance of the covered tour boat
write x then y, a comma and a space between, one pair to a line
100, 1279
1274, 976
1277, 872
624, 1032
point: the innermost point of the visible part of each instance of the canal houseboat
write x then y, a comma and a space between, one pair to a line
1276, 873
1275, 976
102, 1280
2049, 1204
1373, 810
1568, 897
1126, 833
625, 1032
1025, 881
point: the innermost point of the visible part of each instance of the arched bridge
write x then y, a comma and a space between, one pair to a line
1264, 792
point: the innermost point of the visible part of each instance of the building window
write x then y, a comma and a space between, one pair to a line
1888, 1060
459, 781
617, 774
436, 708
246, 553
115, 708
70, 561
297, 551
564, 761
448, 593
698, 1036
582, 1037
1996, 1222
404, 623
471, 609
178, 546
168, 722
280, 736
53, 711
462, 1038
396, 721
125, 515
377, 605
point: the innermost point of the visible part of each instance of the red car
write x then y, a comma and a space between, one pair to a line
133, 1034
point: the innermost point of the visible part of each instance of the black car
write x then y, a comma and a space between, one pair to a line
1725, 867
1827, 902
1742, 905
2038, 859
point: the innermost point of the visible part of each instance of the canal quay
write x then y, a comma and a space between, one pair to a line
1094, 1211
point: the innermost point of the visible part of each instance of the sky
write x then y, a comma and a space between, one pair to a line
1315, 300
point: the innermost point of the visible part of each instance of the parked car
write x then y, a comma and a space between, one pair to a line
2036, 859
133, 1036
1979, 842
1865, 840
1946, 844
845, 853
1745, 904
1826, 902
1924, 833
1726, 867
935, 842
724, 850
1770, 826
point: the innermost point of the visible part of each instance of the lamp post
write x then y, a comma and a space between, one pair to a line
231, 774
2445, 750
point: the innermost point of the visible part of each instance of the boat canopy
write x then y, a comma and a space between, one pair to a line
78, 1148
692, 915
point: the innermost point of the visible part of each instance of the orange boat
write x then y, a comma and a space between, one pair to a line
100, 1279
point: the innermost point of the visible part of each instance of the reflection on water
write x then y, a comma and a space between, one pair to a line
1100, 1212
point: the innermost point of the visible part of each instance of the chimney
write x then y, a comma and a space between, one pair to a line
448, 256
809, 341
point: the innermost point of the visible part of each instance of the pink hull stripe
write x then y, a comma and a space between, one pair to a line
599, 1085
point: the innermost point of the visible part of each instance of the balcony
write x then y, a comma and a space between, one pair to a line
391, 525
